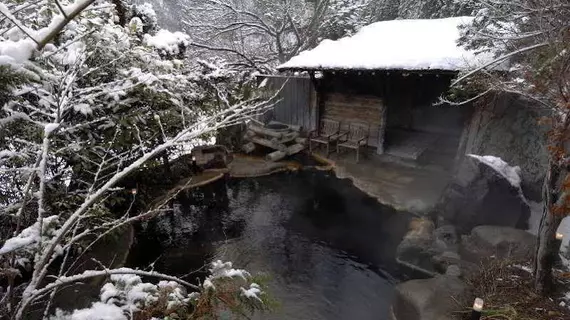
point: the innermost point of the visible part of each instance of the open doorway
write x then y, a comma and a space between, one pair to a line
417, 128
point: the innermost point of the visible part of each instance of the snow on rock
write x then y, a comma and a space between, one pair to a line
169, 42
430, 44
512, 174
28, 236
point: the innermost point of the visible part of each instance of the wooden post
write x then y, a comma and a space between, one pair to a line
382, 129
315, 105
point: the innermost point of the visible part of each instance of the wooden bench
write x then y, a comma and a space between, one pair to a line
354, 138
328, 133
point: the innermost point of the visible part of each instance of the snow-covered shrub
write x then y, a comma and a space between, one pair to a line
25, 243
145, 12
126, 296
169, 44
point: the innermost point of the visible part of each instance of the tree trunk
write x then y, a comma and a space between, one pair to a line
547, 246
165, 161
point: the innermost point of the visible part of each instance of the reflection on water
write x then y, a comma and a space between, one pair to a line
328, 248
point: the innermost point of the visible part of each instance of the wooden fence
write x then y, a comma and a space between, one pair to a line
296, 105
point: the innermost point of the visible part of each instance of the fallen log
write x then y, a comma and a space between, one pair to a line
276, 156
248, 147
295, 128
248, 135
266, 132
301, 140
296, 148
289, 137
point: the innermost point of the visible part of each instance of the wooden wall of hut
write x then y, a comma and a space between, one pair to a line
347, 109
297, 105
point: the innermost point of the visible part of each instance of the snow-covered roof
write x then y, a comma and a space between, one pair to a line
429, 44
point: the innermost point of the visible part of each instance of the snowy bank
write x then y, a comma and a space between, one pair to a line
398, 44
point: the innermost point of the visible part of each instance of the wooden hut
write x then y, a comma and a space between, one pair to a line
388, 75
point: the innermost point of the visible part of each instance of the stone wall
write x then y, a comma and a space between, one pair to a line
507, 127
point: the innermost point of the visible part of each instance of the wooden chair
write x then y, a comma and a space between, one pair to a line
328, 133
356, 137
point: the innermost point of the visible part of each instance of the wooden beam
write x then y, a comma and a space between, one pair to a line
296, 148
269, 143
382, 130
276, 156
265, 132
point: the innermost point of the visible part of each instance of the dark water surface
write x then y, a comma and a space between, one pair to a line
326, 246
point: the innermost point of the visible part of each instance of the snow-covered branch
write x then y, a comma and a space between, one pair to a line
37, 39
275, 29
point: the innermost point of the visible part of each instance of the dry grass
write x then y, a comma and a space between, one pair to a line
507, 291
